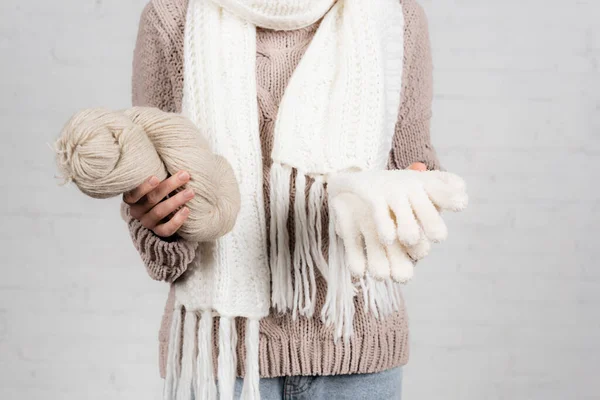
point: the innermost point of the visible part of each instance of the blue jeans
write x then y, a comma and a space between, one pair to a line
386, 385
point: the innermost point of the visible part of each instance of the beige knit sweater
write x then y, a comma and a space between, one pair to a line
287, 347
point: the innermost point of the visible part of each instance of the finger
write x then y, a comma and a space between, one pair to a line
377, 262
407, 227
136, 194
401, 266
166, 187
418, 166
171, 227
419, 250
429, 218
153, 217
447, 191
348, 231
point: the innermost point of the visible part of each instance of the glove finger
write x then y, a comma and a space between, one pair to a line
378, 264
347, 228
383, 219
401, 266
421, 249
408, 230
447, 191
428, 216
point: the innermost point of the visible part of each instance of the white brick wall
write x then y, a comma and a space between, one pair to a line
507, 308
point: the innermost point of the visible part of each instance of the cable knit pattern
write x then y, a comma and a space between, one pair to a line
302, 346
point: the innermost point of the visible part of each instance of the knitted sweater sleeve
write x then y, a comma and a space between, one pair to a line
165, 260
411, 142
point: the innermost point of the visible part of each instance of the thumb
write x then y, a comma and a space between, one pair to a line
417, 166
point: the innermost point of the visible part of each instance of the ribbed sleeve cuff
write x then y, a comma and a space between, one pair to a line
164, 260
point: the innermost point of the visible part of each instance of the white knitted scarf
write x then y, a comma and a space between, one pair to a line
337, 114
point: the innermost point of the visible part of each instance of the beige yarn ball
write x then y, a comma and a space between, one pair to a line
109, 153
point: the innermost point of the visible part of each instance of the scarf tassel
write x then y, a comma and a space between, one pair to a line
182, 383
227, 361
172, 372
185, 384
316, 200
250, 391
339, 308
381, 298
205, 382
295, 292
280, 258
305, 286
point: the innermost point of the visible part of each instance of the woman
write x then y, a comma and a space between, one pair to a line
299, 358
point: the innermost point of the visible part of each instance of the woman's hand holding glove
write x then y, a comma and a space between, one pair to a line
387, 219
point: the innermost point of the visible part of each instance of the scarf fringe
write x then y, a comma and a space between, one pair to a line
297, 293
227, 361
305, 286
316, 199
206, 388
382, 298
185, 385
339, 308
251, 390
172, 373
183, 382
282, 291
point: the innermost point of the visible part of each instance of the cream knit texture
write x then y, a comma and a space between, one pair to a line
273, 14
338, 113
158, 81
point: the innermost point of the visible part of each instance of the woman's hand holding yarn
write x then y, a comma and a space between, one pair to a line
160, 206
111, 153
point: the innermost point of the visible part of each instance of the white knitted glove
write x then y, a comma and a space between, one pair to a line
393, 215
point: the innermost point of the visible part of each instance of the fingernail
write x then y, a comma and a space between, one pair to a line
153, 181
185, 211
183, 176
189, 193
